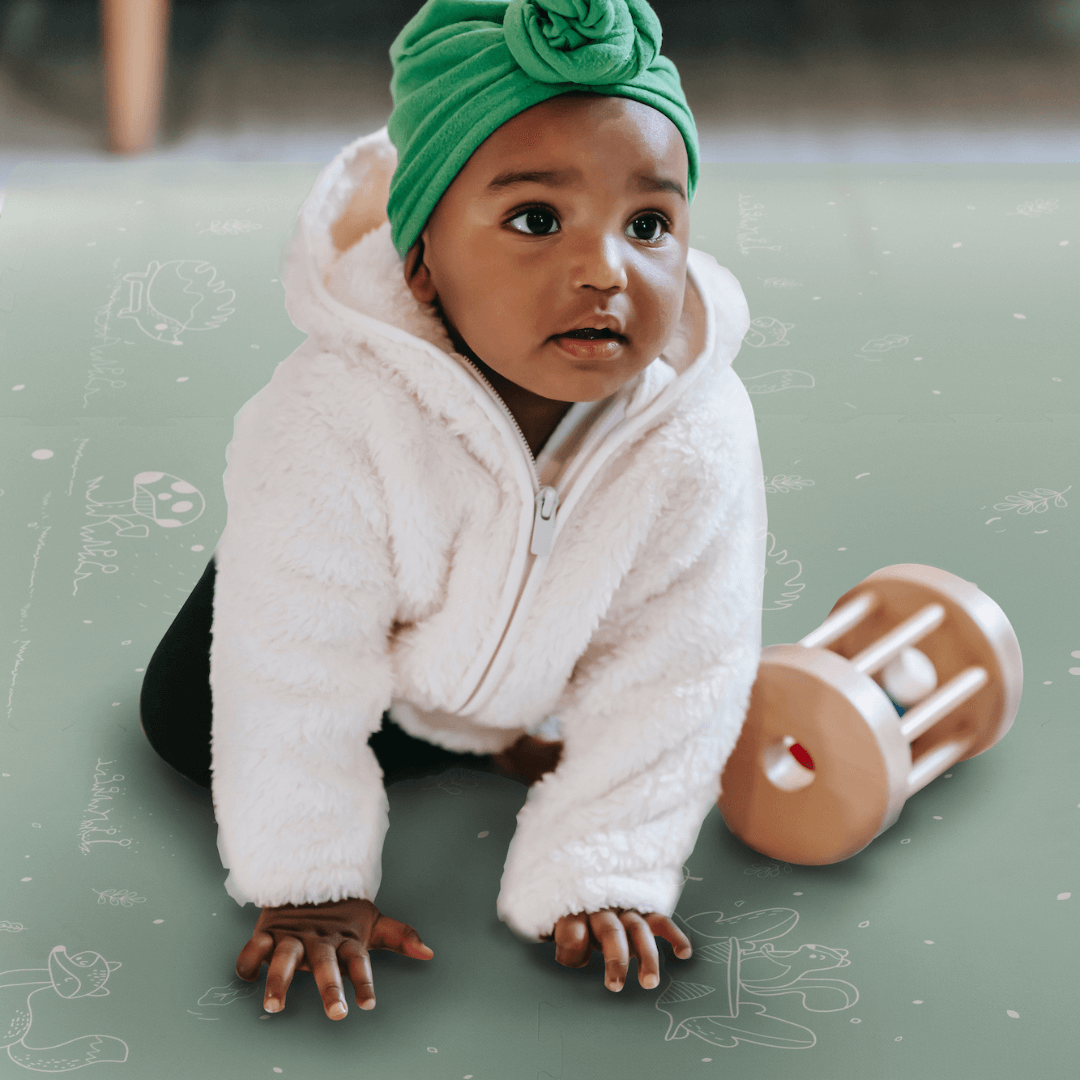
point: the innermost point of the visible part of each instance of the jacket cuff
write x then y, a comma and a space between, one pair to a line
531, 910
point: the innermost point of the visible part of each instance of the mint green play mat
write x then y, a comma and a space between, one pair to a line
912, 360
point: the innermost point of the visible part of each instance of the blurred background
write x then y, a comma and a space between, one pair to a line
768, 80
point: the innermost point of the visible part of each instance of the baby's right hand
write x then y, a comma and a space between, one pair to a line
314, 937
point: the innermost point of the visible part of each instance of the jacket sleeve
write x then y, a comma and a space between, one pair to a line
299, 663
655, 704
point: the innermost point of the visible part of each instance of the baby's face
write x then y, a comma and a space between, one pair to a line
517, 262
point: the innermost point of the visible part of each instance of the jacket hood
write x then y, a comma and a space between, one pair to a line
344, 280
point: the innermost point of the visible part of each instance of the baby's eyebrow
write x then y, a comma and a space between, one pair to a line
639, 182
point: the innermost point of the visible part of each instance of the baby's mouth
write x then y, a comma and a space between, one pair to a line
590, 334
588, 343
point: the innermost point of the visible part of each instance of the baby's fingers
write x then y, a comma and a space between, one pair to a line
282, 967
643, 946
609, 931
398, 937
358, 964
253, 955
324, 966
573, 945
663, 927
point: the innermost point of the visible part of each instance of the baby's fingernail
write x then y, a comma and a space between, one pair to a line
272, 1005
615, 985
650, 981
369, 1004
684, 954
338, 1010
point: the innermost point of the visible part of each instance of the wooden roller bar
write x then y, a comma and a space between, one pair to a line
930, 710
874, 657
840, 621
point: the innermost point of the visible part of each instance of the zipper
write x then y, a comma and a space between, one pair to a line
545, 506
545, 497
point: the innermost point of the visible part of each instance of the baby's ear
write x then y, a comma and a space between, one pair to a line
417, 275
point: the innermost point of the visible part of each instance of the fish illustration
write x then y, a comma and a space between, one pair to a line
765, 331
82, 975
167, 299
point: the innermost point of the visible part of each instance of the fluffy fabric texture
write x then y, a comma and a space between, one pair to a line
462, 68
376, 555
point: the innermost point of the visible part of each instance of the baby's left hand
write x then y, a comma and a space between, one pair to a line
607, 931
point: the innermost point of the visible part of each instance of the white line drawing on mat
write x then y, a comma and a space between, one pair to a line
19, 657
221, 996
794, 586
746, 238
75, 463
82, 975
22, 641
781, 484
772, 382
100, 366
768, 869
151, 500
1028, 502
781, 283
232, 228
11, 927
170, 298
98, 794
741, 948
116, 897
765, 332
875, 346
1036, 208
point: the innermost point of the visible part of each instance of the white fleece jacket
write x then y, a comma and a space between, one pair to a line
385, 548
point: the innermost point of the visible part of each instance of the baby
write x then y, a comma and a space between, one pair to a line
509, 490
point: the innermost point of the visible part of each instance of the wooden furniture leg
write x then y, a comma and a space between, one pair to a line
134, 38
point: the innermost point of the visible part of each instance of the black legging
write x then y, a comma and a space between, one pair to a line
175, 705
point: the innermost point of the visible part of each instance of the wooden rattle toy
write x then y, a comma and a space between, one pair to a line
848, 723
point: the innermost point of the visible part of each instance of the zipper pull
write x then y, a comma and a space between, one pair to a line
547, 501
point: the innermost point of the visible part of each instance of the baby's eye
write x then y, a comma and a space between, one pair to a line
538, 217
650, 218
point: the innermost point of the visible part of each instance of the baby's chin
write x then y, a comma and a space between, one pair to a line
584, 380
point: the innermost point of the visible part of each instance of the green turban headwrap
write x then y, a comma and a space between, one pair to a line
462, 68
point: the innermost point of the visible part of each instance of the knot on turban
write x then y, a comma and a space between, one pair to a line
462, 68
582, 41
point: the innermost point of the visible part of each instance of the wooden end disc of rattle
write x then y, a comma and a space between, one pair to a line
817, 703
847, 727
